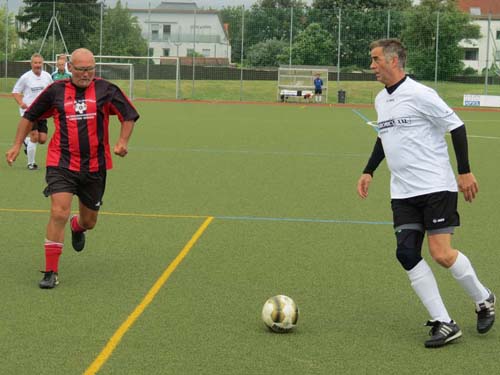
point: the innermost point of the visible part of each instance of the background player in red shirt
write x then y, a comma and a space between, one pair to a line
79, 153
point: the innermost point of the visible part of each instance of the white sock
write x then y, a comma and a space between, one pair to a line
425, 285
463, 272
31, 151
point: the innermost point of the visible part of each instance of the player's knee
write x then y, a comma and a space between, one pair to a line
409, 247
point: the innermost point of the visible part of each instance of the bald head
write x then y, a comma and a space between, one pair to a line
82, 67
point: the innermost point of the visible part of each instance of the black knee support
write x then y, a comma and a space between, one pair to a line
409, 247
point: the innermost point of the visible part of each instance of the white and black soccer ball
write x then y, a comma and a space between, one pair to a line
280, 313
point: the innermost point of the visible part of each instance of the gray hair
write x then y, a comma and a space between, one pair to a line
391, 48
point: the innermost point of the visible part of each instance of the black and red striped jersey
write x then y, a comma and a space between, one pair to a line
81, 117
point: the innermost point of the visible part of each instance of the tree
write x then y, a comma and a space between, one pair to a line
265, 20
232, 17
118, 21
360, 22
270, 52
313, 46
12, 35
78, 20
420, 36
362, 4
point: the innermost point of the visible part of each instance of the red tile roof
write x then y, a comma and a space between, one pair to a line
486, 6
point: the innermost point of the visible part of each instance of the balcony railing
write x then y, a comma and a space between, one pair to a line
186, 38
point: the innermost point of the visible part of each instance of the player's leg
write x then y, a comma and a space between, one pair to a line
423, 282
462, 270
31, 148
42, 131
61, 186
409, 232
441, 217
59, 213
90, 193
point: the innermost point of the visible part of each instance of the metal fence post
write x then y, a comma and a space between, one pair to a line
437, 52
486, 74
100, 36
241, 54
6, 39
147, 60
194, 52
291, 38
388, 23
338, 48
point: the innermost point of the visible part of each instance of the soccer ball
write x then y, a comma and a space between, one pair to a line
280, 313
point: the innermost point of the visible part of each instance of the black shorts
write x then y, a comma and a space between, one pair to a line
88, 186
318, 91
41, 126
431, 212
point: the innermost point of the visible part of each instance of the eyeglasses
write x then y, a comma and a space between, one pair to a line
84, 68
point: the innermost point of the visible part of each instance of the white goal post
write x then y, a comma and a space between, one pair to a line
297, 82
148, 61
109, 68
111, 71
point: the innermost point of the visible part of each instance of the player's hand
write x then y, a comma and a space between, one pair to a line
363, 185
120, 149
467, 184
11, 154
23, 105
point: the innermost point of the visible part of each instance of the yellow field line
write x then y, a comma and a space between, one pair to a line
118, 335
113, 214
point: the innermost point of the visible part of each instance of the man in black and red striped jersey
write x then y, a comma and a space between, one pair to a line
79, 153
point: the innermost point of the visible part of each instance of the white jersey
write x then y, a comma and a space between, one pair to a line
30, 86
412, 122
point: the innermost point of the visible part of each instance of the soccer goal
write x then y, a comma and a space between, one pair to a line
121, 74
296, 83
147, 68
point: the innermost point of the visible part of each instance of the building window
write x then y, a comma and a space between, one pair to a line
498, 34
166, 30
472, 54
166, 51
151, 52
189, 52
206, 52
155, 32
475, 11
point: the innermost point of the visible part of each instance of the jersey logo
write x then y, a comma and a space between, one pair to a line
80, 106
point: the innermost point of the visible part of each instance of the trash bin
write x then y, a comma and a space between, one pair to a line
341, 96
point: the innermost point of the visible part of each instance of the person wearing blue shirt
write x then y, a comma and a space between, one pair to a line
318, 89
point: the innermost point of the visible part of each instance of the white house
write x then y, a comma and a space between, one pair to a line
485, 50
179, 28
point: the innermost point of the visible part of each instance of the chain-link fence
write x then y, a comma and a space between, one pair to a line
234, 53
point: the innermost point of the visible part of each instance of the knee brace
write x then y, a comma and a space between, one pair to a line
409, 247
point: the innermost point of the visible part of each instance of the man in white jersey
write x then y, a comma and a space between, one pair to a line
25, 91
412, 121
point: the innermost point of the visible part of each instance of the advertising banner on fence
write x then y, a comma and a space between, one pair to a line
481, 100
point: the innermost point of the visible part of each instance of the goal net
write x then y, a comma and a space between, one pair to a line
121, 74
297, 83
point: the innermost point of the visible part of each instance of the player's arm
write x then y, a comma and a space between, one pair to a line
19, 100
375, 159
467, 183
23, 128
121, 147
